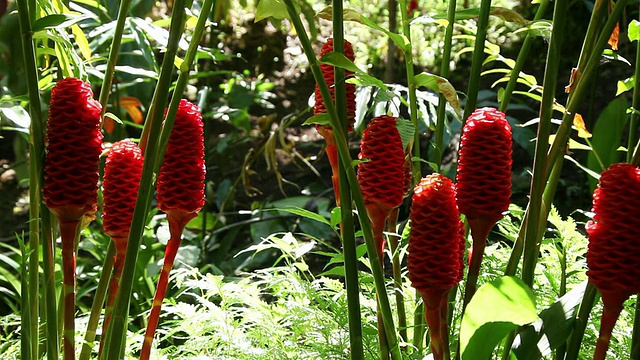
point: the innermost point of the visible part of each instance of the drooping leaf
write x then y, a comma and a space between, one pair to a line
578, 123
442, 86
347, 14
271, 8
320, 119
496, 309
132, 106
400, 40
406, 130
341, 61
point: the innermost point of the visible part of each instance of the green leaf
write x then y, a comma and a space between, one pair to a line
55, 20
496, 309
17, 115
503, 13
304, 213
607, 135
347, 14
552, 329
320, 119
271, 8
341, 61
442, 86
590, 172
400, 40
406, 130
626, 85
634, 30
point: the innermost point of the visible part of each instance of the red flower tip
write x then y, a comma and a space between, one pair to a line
614, 236
484, 167
181, 178
436, 240
73, 146
382, 175
121, 180
329, 76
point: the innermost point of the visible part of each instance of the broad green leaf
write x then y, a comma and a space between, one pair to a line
406, 130
320, 119
51, 21
442, 86
551, 330
17, 115
271, 8
634, 30
198, 222
496, 309
341, 61
607, 136
400, 40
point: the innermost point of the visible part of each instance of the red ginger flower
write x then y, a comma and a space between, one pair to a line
484, 166
614, 244
381, 177
121, 180
328, 72
436, 248
73, 148
181, 178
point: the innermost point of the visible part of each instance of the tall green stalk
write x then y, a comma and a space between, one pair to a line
153, 125
478, 59
582, 318
539, 180
30, 334
632, 149
347, 226
48, 265
105, 90
523, 55
345, 159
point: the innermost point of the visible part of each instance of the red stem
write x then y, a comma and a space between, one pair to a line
332, 155
612, 301
436, 313
480, 228
68, 231
177, 223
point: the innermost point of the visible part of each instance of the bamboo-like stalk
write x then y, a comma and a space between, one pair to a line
582, 318
477, 60
105, 89
117, 330
392, 224
48, 263
98, 301
539, 178
523, 55
345, 160
633, 122
444, 72
347, 227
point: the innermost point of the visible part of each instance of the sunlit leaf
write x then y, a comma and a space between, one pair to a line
400, 40
578, 122
339, 60
625, 85
496, 309
271, 8
81, 41
110, 121
320, 119
634, 30
442, 86
615, 35
347, 14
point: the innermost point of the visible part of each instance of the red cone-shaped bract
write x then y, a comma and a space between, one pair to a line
436, 240
121, 180
614, 245
181, 178
484, 167
614, 232
73, 148
329, 76
381, 176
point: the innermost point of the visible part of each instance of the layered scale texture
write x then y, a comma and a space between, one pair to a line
382, 175
328, 72
614, 245
121, 180
614, 232
181, 178
73, 147
436, 240
484, 167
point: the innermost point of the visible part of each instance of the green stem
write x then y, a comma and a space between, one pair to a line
633, 156
30, 338
113, 54
98, 301
117, 331
48, 265
419, 327
444, 72
345, 159
397, 274
635, 337
582, 318
523, 56
583, 77
539, 179
347, 226
411, 83
25, 338
478, 59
